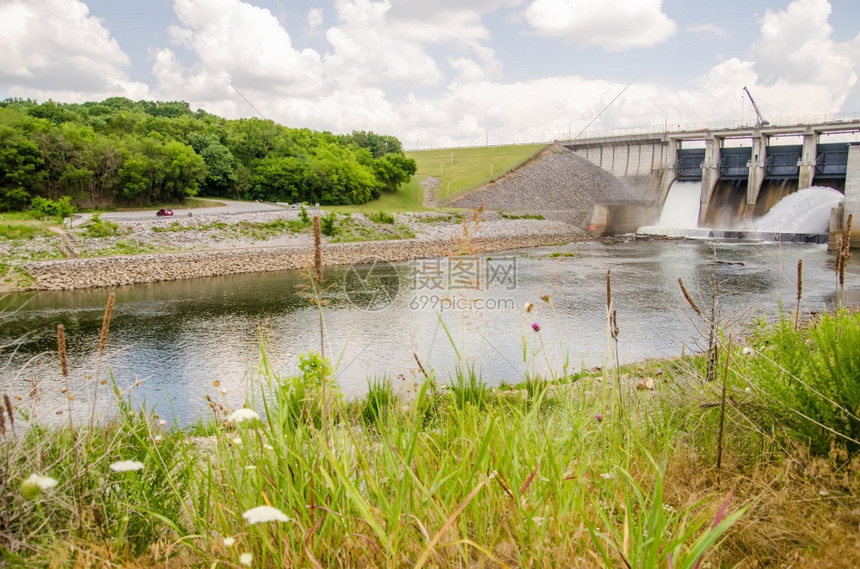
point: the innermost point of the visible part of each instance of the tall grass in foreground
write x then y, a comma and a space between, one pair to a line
460, 477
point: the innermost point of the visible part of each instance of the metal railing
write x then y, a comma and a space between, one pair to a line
716, 125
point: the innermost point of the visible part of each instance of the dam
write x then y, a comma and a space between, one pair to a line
739, 171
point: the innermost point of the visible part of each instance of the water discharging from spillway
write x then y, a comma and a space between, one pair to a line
805, 212
680, 214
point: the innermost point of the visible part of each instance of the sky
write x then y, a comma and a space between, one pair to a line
444, 73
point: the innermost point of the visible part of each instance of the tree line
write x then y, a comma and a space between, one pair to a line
119, 152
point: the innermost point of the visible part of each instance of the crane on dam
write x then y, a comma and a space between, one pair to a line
759, 119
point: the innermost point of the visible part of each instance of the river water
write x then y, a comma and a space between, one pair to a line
179, 339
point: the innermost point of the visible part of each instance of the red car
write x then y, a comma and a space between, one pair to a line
163, 212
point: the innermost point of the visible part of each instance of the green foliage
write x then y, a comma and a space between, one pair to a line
328, 224
98, 227
120, 152
59, 209
379, 401
809, 379
303, 215
299, 398
468, 388
381, 217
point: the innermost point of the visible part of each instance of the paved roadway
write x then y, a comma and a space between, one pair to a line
229, 207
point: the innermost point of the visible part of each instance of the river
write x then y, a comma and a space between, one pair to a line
183, 340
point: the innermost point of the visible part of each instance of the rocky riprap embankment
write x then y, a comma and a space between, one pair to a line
556, 183
436, 235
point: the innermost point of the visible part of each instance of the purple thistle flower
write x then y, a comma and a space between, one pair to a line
598, 418
536, 327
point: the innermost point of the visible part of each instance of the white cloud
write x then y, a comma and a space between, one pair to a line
795, 47
55, 49
315, 18
232, 39
614, 25
708, 29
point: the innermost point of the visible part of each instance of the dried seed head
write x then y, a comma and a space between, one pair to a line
61, 347
609, 289
8, 403
106, 323
689, 298
799, 279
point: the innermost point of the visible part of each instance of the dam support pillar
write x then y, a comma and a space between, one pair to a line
710, 174
756, 167
850, 206
806, 164
667, 168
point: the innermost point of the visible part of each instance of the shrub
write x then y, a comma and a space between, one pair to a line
329, 224
303, 215
97, 227
59, 209
382, 217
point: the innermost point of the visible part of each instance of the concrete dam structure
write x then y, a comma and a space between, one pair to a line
741, 171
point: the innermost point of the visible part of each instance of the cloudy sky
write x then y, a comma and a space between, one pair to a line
443, 72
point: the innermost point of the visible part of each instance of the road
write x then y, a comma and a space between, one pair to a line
229, 207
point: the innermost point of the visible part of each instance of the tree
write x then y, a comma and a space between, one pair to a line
393, 170
21, 169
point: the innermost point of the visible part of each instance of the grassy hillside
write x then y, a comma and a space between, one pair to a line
462, 169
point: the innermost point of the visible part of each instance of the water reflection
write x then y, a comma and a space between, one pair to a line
179, 338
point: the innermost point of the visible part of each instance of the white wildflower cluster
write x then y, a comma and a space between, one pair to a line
262, 514
243, 414
126, 465
33, 486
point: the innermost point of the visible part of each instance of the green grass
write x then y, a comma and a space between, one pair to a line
408, 198
463, 476
463, 169
23, 225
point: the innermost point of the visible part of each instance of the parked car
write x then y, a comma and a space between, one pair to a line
163, 212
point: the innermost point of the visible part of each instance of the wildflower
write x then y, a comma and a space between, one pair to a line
157, 438
126, 465
246, 559
224, 391
544, 297
747, 351
536, 327
243, 414
236, 441
607, 476
33, 486
529, 307
262, 514
598, 417
162, 422
229, 541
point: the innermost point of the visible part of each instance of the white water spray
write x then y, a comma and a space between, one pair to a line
804, 211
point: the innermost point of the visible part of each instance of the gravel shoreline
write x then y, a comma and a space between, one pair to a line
195, 252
